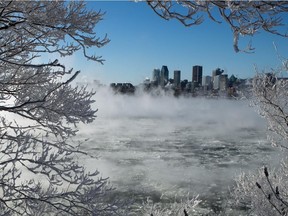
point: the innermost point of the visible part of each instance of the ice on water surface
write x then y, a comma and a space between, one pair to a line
163, 144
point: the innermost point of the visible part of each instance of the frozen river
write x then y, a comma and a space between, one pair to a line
149, 146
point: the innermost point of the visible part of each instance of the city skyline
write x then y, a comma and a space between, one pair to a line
197, 76
214, 85
141, 41
217, 80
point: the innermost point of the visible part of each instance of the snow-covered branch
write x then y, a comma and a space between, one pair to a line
245, 18
39, 111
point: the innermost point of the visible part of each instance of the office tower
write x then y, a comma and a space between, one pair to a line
206, 82
177, 78
220, 82
217, 72
223, 82
216, 78
197, 75
164, 75
156, 76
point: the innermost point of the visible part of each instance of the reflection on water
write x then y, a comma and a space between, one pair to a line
200, 152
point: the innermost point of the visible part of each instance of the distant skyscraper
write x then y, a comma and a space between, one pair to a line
164, 75
207, 82
223, 82
156, 76
220, 82
215, 80
217, 72
177, 78
197, 75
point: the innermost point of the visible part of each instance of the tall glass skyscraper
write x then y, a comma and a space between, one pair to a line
156, 76
164, 75
177, 78
197, 75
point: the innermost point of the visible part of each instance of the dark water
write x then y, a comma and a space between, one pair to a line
195, 146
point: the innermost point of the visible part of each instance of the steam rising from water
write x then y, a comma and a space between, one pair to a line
222, 115
151, 145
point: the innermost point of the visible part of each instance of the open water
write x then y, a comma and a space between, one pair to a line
150, 146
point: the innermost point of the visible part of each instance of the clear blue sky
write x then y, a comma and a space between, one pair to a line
142, 41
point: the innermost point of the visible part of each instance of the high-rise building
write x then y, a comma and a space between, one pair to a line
177, 78
156, 76
220, 82
223, 82
217, 72
207, 82
215, 79
164, 75
197, 75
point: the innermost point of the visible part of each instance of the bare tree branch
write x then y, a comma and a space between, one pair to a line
39, 170
245, 18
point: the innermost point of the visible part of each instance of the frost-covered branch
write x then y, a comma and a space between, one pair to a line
265, 192
47, 27
271, 96
182, 206
39, 112
245, 18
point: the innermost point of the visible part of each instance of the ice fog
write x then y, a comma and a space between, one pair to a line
153, 145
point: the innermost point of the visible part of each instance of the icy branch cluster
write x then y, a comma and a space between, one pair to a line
245, 18
39, 171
